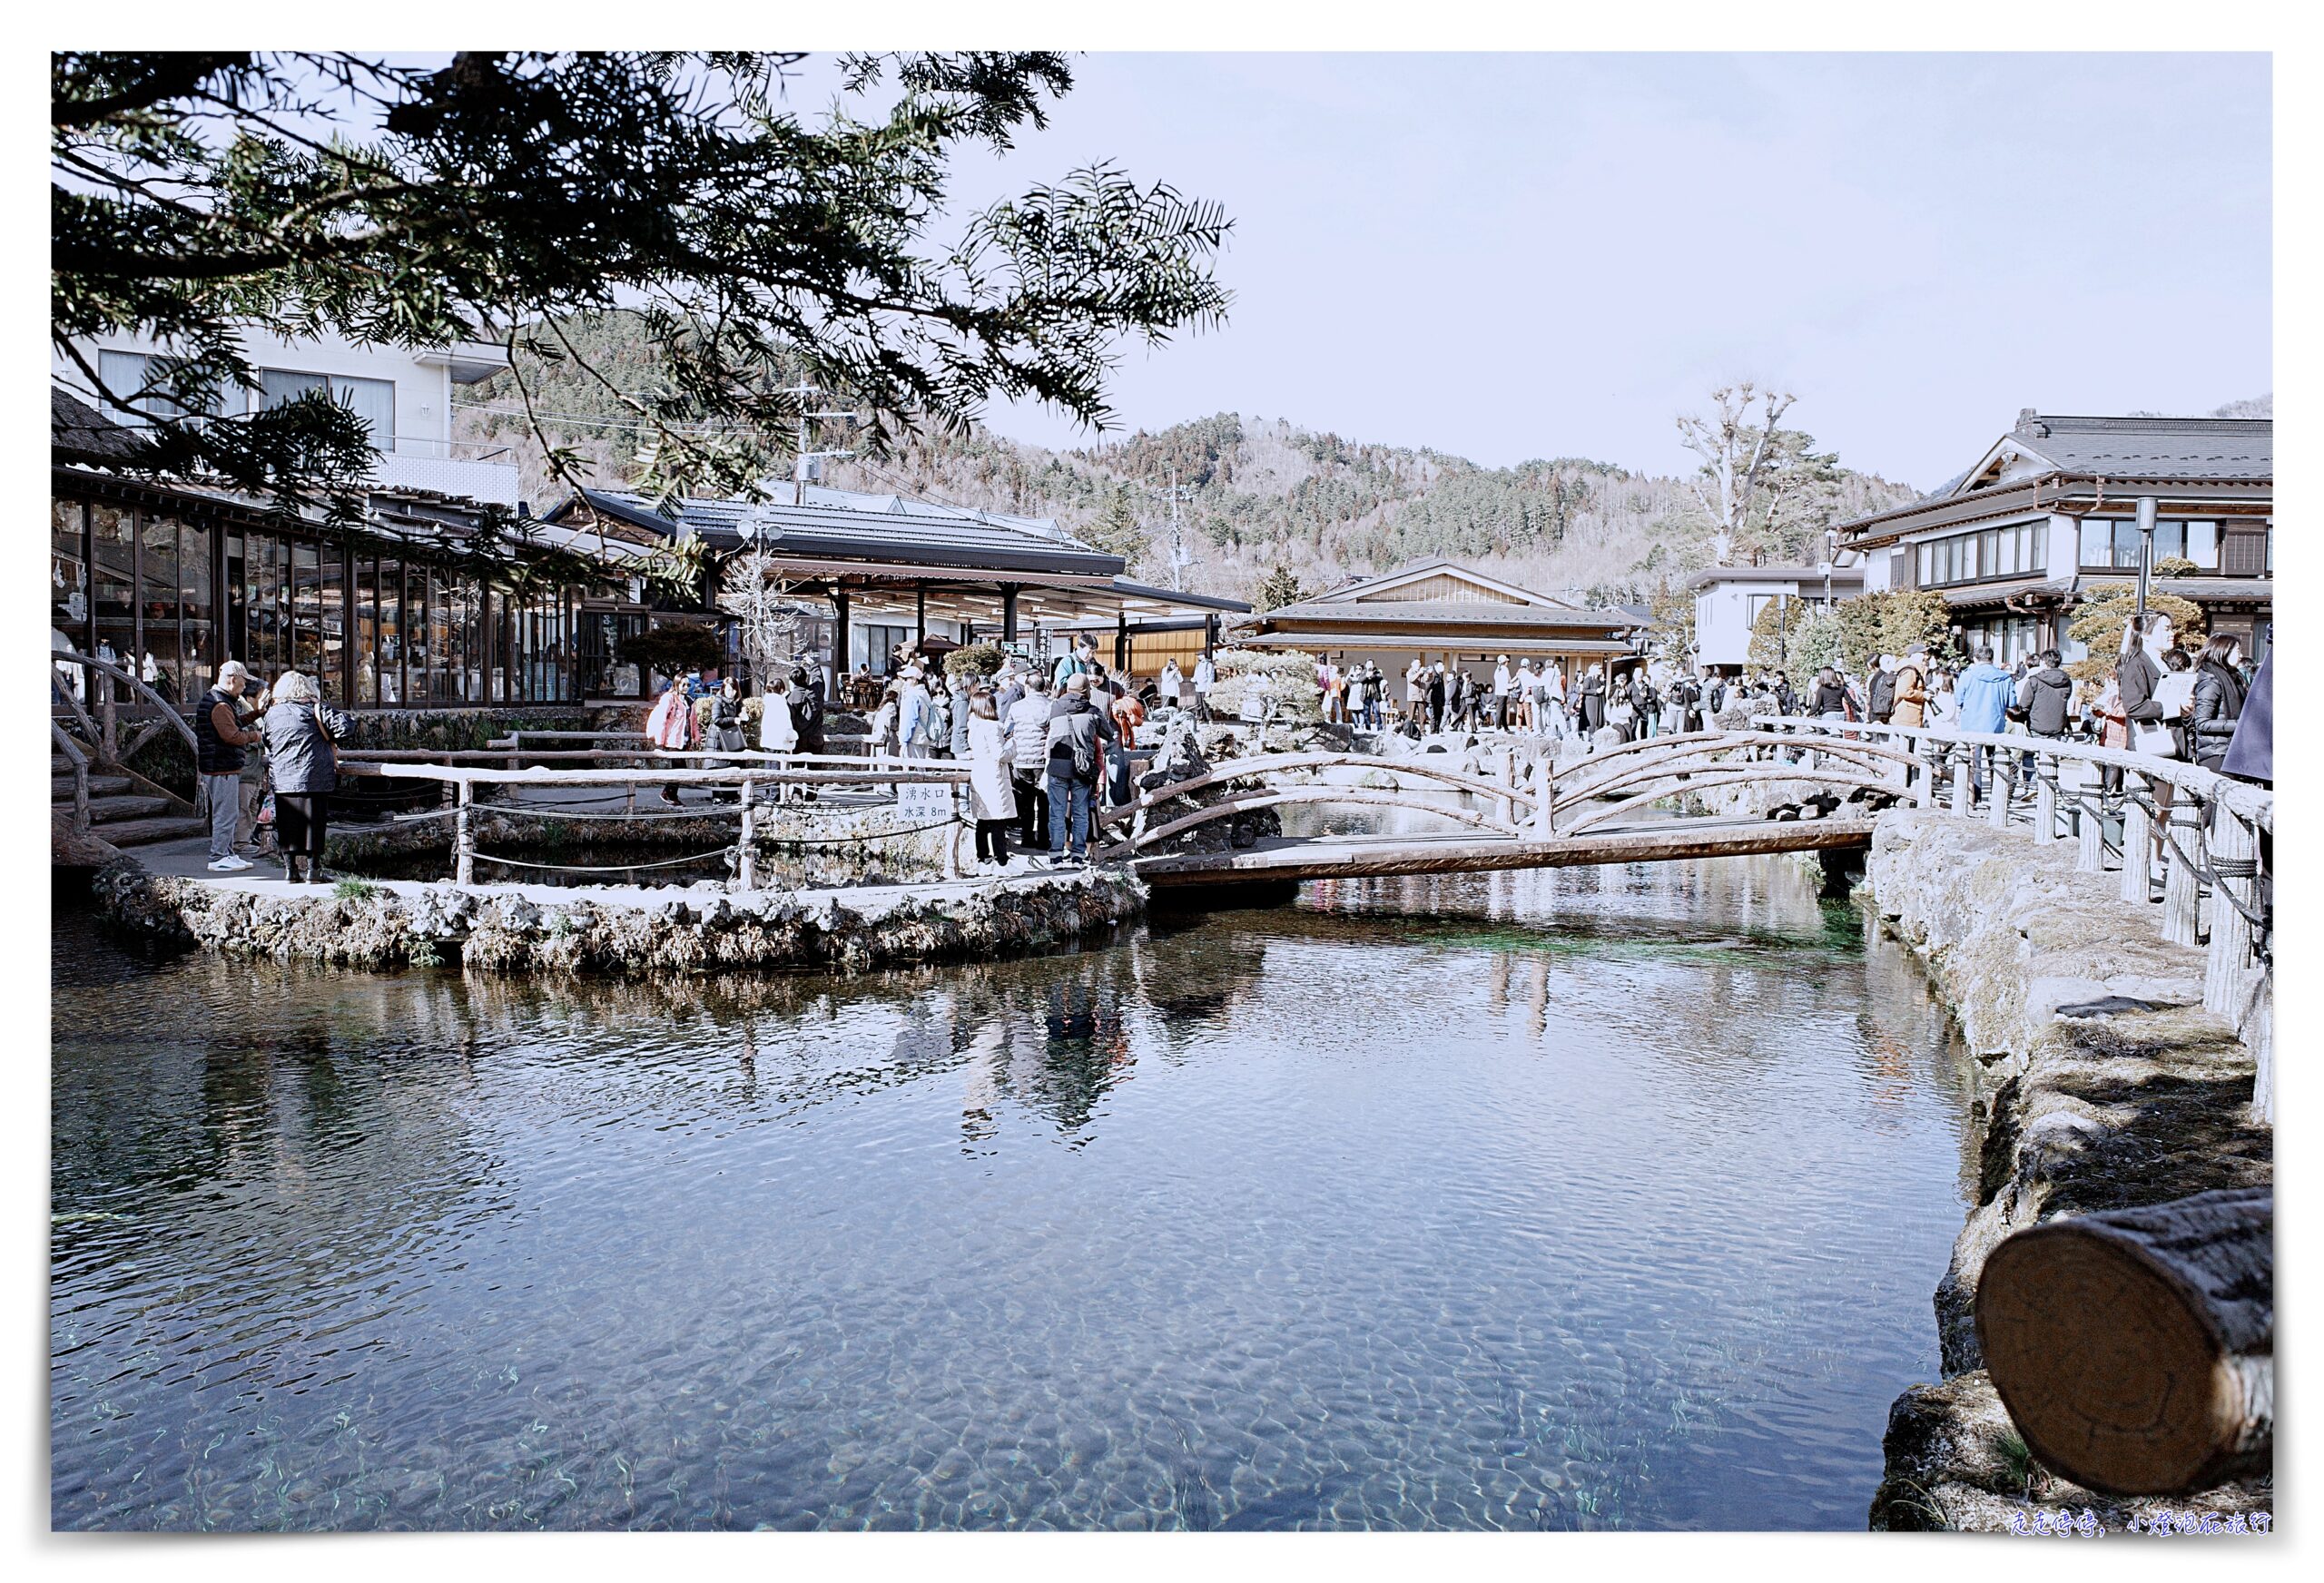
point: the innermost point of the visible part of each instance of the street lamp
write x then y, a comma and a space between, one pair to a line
2146, 549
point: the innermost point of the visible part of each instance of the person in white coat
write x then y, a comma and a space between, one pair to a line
991, 787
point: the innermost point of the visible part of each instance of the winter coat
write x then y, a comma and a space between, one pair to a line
989, 781
2252, 752
806, 718
1593, 702
1027, 729
300, 758
2047, 697
1983, 694
2219, 701
1910, 697
1883, 701
2138, 676
777, 732
1076, 732
1828, 698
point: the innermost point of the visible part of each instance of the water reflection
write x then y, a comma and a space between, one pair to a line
1538, 1200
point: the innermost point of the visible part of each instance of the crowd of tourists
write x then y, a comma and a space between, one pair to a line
1047, 747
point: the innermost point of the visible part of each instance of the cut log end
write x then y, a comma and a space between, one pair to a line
2134, 1350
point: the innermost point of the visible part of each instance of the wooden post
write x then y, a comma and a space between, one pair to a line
463, 843
1504, 761
746, 867
2182, 890
2138, 843
1543, 823
2259, 1039
109, 715
1997, 790
2235, 859
2047, 767
2089, 820
952, 837
81, 797
515, 746
2135, 1349
1964, 755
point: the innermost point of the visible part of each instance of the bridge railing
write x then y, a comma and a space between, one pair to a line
750, 773
2201, 844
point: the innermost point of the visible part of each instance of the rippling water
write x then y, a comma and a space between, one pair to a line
1551, 1200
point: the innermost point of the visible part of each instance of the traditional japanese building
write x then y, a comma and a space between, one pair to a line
2051, 510
1438, 610
885, 571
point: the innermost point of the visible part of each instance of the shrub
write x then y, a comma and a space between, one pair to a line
2105, 611
1288, 678
979, 661
354, 890
673, 650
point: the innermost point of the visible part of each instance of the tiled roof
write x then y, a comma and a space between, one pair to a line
79, 432
913, 532
1387, 612
2152, 447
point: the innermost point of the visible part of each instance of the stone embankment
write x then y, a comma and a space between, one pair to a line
2100, 1083
612, 930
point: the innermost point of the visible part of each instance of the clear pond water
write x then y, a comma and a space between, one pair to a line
1536, 1201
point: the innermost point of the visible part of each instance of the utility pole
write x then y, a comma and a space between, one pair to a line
802, 456
1179, 559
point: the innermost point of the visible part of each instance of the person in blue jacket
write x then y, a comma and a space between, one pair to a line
1985, 692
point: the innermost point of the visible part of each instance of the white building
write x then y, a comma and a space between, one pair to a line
405, 396
1729, 601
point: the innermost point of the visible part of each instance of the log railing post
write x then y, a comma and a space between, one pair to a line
1998, 786
2046, 769
2138, 842
746, 856
2182, 890
1505, 770
952, 837
2089, 820
109, 717
2134, 1348
1964, 757
463, 841
2235, 859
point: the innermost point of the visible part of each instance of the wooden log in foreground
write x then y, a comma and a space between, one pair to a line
2135, 1349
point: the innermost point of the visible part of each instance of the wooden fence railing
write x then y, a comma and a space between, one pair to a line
2201, 840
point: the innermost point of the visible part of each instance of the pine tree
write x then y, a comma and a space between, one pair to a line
1280, 587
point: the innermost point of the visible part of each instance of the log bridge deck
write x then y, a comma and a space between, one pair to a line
1353, 856
1519, 814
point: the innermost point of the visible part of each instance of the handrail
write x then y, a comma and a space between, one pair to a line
80, 763
169, 711
1265, 764
2253, 802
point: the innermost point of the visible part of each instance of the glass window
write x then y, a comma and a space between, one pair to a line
1923, 567
394, 601
68, 573
305, 632
2126, 544
2006, 546
373, 401
2041, 556
137, 379
159, 664
2203, 544
2097, 542
277, 386
366, 630
2170, 539
198, 636
332, 677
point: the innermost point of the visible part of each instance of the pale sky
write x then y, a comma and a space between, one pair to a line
1513, 256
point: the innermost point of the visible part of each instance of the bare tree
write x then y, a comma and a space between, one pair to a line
1747, 465
759, 599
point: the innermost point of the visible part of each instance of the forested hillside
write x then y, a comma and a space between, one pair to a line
1258, 492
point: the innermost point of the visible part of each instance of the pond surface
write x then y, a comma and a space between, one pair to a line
1553, 1200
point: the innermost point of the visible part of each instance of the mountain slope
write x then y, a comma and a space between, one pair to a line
1255, 491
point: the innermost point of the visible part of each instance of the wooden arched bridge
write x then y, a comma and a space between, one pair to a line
1521, 809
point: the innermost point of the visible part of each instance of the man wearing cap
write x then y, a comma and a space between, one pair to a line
219, 739
1502, 683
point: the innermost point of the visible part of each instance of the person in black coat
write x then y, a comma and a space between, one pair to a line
2252, 751
2217, 704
